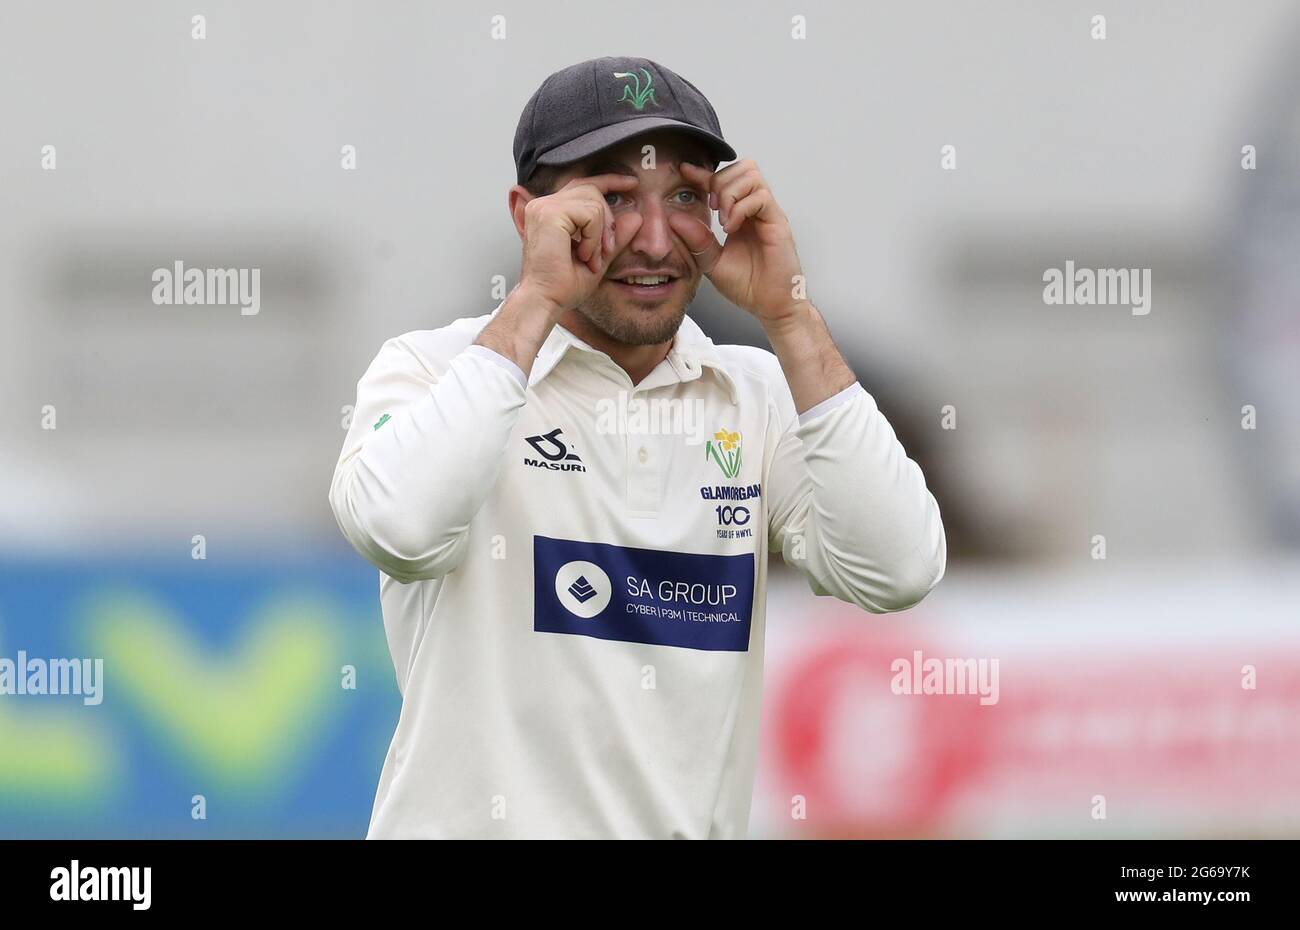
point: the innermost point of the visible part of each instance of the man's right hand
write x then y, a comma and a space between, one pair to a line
571, 236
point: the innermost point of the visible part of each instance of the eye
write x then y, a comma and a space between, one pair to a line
686, 197
612, 198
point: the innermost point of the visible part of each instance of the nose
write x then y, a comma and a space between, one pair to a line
654, 239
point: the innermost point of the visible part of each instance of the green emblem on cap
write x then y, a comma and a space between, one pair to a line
634, 93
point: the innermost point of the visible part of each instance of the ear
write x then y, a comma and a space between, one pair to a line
517, 200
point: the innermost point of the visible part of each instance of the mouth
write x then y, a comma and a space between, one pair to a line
647, 287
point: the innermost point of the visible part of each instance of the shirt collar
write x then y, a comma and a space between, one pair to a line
692, 351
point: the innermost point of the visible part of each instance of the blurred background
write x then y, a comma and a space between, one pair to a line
128, 429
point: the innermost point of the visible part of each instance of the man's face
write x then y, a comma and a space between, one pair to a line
634, 304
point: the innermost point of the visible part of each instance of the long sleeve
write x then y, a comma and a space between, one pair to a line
849, 509
423, 451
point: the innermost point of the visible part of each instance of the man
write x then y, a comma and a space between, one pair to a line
571, 500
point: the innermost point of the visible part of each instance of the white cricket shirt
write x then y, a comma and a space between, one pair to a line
573, 572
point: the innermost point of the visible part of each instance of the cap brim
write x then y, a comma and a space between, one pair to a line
600, 139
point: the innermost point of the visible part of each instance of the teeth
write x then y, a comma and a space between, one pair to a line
648, 279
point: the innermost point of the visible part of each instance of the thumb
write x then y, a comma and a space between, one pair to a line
616, 238
699, 240
625, 230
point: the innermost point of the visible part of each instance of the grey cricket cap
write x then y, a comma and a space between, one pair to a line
595, 104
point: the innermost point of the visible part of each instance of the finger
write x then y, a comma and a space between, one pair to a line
733, 191
620, 234
578, 221
753, 205
605, 183
699, 239
624, 231
604, 247
726, 186
734, 170
595, 189
600, 257
587, 219
702, 178
611, 235
694, 174
726, 176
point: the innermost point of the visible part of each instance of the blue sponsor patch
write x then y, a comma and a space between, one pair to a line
649, 596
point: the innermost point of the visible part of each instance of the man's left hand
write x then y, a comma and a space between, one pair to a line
758, 266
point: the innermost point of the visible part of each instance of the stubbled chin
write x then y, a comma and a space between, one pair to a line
637, 322
643, 305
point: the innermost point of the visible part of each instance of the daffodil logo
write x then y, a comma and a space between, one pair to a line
724, 449
634, 93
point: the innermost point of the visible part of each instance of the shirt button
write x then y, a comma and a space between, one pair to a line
643, 455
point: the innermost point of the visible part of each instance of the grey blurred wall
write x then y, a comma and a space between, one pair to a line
226, 151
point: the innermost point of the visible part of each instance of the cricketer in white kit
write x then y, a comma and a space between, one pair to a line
571, 500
